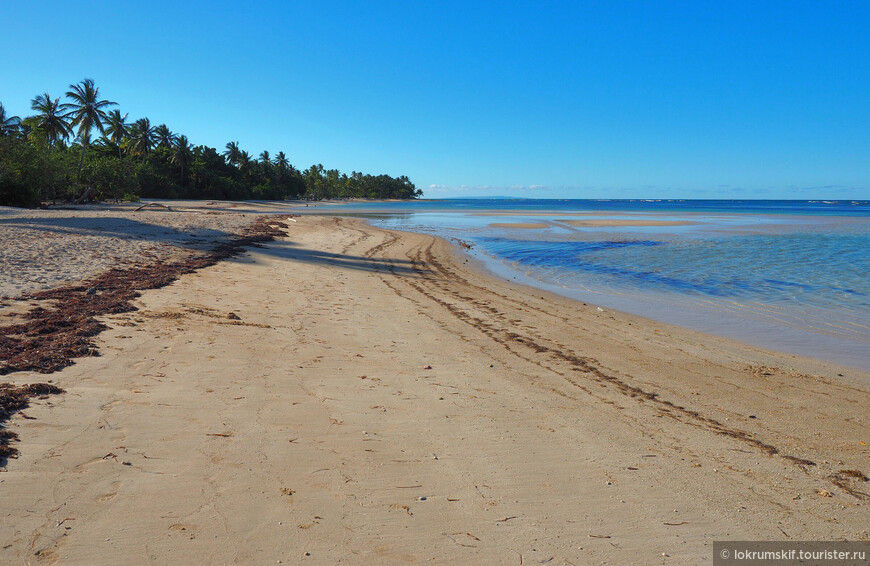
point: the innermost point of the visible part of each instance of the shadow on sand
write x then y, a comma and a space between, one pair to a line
118, 227
290, 251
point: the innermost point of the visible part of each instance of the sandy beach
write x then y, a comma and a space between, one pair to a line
46, 248
350, 395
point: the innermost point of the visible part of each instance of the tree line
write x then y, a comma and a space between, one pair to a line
80, 148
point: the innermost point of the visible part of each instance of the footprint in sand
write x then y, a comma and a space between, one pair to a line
109, 495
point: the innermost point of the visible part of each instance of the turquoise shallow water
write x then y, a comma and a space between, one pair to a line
788, 275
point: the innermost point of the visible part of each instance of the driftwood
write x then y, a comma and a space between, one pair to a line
86, 196
147, 204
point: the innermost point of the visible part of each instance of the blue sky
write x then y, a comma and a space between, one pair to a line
541, 99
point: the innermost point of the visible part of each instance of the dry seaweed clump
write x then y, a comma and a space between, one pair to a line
847, 480
14, 398
51, 336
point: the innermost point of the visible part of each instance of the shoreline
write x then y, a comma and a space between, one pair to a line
776, 315
380, 399
707, 318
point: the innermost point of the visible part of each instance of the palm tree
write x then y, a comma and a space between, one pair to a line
181, 154
87, 112
281, 160
141, 138
164, 137
51, 119
116, 128
8, 124
245, 159
25, 128
233, 154
265, 159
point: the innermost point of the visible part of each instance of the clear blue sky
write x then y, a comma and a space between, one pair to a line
544, 99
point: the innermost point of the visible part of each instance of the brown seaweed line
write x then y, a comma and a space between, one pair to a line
52, 337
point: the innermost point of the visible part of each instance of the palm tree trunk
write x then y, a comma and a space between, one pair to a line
82, 162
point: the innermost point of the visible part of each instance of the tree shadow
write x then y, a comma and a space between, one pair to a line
291, 251
118, 227
199, 239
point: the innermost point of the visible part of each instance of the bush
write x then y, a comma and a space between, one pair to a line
109, 177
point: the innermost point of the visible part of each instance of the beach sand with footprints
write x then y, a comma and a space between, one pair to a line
345, 394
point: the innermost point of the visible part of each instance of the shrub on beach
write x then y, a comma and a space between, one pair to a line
29, 175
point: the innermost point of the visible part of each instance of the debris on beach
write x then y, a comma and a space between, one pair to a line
856, 474
453, 536
153, 205
406, 508
16, 398
845, 480
462, 243
62, 324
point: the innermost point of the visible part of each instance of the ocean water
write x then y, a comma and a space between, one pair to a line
787, 275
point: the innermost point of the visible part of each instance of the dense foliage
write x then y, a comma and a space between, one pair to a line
51, 156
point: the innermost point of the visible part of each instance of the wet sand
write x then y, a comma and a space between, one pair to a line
376, 399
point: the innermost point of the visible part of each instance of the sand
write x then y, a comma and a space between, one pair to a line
46, 248
380, 400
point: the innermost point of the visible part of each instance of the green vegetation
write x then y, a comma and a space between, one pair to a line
52, 156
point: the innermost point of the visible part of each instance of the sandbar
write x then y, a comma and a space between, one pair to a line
597, 223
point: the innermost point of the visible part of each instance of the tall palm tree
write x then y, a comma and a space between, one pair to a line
165, 138
8, 124
281, 160
265, 159
233, 154
51, 119
182, 152
141, 138
86, 111
116, 128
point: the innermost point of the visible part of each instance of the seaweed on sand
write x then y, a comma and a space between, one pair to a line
61, 324
14, 398
51, 337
